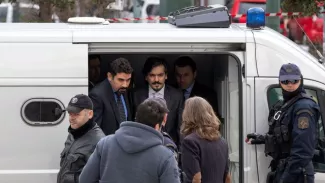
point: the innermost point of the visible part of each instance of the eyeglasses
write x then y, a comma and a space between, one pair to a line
289, 81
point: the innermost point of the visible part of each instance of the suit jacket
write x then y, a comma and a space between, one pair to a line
90, 85
106, 112
174, 100
207, 93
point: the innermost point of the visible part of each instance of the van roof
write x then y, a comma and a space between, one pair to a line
111, 26
58, 32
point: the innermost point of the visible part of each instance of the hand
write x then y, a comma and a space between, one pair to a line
255, 138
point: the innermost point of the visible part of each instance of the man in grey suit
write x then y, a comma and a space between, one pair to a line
155, 72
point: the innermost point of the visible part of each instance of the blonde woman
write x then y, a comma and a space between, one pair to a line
204, 151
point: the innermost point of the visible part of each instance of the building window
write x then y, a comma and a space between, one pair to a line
42, 111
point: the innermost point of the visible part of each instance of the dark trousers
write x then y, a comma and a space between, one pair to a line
275, 177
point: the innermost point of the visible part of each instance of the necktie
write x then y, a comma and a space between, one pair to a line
120, 108
185, 93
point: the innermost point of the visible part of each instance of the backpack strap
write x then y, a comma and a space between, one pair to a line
169, 143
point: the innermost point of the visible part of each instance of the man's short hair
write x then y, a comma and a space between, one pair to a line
185, 61
151, 112
120, 65
151, 62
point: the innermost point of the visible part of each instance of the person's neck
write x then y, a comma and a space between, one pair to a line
77, 133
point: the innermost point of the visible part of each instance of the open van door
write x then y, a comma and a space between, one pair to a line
268, 92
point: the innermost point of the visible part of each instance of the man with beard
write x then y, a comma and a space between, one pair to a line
83, 136
110, 98
291, 139
155, 72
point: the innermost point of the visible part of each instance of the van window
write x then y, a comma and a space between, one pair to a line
3, 14
243, 7
275, 94
42, 111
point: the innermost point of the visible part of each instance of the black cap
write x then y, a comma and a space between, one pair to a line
79, 103
289, 72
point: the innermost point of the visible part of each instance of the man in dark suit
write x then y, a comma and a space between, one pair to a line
185, 70
155, 72
110, 97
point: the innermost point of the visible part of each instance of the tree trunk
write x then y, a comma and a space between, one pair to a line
45, 9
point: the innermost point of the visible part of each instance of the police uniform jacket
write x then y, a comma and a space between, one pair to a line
303, 115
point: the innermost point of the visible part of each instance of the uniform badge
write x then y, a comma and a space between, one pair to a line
303, 122
288, 69
74, 100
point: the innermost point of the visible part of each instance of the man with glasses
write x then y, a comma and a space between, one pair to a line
291, 139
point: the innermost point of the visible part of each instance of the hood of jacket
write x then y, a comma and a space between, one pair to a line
134, 137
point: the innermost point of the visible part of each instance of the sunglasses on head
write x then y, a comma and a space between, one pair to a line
289, 81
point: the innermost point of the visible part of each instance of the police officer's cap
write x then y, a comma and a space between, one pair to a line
289, 71
79, 103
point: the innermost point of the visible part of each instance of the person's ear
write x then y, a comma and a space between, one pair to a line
109, 76
164, 120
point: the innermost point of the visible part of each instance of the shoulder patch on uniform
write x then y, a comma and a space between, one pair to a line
305, 111
303, 122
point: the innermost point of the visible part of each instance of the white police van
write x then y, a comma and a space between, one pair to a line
43, 65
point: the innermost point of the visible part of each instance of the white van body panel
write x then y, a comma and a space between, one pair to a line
36, 70
250, 168
250, 58
159, 33
29, 158
273, 50
53, 60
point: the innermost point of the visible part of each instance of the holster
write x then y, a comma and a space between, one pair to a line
269, 144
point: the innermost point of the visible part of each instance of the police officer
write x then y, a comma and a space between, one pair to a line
291, 139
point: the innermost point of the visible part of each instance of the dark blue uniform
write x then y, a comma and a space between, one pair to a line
292, 137
298, 168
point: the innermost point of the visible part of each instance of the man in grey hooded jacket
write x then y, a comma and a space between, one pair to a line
135, 153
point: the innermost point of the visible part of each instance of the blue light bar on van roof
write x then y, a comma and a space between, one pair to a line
255, 18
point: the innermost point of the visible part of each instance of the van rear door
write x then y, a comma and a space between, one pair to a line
40, 71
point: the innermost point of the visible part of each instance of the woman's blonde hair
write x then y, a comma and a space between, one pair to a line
198, 116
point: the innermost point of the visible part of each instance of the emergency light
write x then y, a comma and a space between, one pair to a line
255, 18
